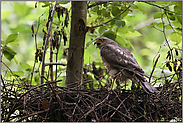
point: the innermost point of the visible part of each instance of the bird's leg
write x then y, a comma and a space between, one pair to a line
112, 83
125, 85
118, 86
133, 90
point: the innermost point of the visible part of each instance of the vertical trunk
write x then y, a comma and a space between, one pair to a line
76, 44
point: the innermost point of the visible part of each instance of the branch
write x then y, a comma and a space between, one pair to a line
154, 67
95, 4
112, 18
159, 7
55, 63
46, 43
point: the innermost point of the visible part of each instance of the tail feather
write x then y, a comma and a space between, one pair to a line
148, 88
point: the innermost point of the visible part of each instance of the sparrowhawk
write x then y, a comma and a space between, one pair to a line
121, 64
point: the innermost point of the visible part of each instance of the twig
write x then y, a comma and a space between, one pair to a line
55, 63
35, 38
38, 87
95, 4
165, 34
159, 7
120, 105
92, 109
111, 19
35, 113
154, 67
12, 74
108, 106
46, 43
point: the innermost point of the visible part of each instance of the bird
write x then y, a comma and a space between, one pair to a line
122, 64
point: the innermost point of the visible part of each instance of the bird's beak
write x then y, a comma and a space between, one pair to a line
96, 42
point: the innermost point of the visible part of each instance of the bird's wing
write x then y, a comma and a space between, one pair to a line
118, 56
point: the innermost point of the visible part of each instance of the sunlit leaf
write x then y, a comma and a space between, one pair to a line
176, 37
25, 65
115, 11
177, 24
124, 14
157, 15
140, 8
9, 53
18, 73
11, 38
63, 2
101, 30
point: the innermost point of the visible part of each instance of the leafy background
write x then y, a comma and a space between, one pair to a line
133, 30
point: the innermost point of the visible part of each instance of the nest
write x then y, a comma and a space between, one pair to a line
46, 103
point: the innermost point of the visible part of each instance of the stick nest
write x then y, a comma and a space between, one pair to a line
53, 103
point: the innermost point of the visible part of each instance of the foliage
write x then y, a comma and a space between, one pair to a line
147, 28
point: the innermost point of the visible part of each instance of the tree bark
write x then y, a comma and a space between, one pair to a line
76, 44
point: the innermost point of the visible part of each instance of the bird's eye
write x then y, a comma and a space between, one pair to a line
101, 40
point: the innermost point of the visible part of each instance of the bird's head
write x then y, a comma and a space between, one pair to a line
101, 41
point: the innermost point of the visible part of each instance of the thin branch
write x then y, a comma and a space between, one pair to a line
35, 38
159, 7
12, 74
165, 34
46, 43
55, 63
154, 67
112, 18
96, 4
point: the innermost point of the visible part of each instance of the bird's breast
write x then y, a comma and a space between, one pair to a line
112, 71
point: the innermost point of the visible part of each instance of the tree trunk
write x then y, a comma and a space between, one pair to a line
76, 44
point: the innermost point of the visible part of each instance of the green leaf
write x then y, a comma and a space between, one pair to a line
115, 11
11, 38
95, 9
158, 15
178, 9
63, 2
120, 23
101, 30
18, 73
124, 14
25, 66
131, 34
22, 28
99, 12
171, 16
9, 53
179, 18
160, 24
177, 24
105, 13
140, 8
21, 8
176, 37
168, 26
110, 34
164, 3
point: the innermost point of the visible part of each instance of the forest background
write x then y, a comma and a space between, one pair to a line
138, 31
151, 30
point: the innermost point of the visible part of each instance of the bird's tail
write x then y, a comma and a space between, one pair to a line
147, 87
